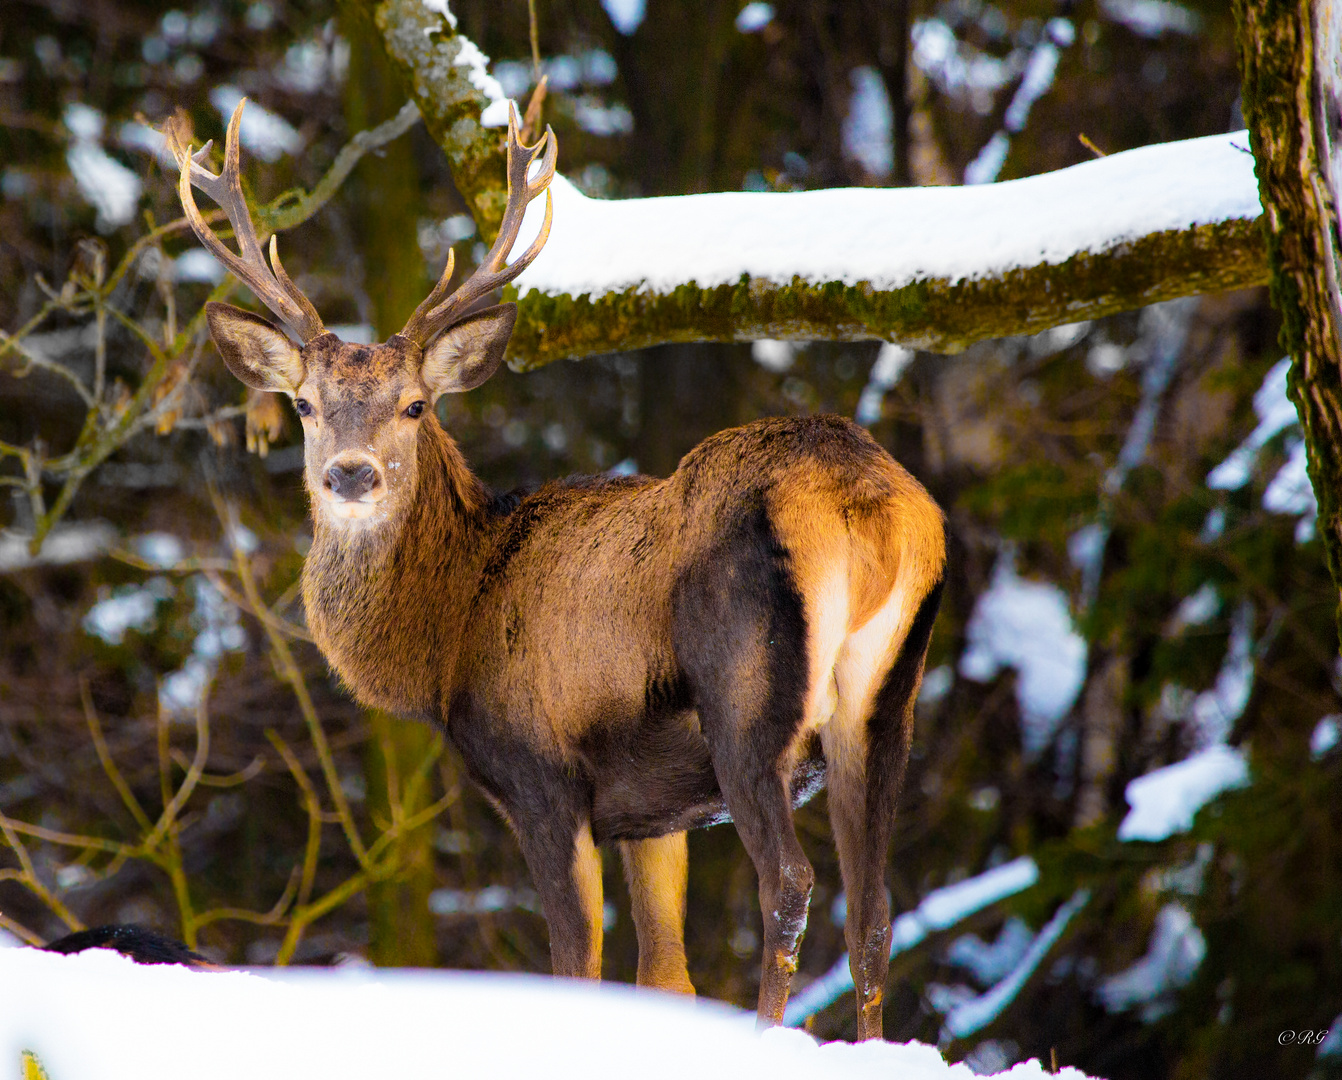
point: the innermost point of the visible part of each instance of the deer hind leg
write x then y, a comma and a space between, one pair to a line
740, 635
867, 749
657, 870
566, 869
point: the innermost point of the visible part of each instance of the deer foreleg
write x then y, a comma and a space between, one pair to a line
566, 868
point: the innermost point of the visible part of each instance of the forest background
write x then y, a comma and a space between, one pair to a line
1135, 576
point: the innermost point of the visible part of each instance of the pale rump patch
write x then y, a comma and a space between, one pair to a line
827, 622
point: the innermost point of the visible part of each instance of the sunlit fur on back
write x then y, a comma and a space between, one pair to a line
617, 659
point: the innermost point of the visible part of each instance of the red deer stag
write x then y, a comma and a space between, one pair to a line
615, 658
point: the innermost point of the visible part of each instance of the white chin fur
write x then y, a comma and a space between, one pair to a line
347, 510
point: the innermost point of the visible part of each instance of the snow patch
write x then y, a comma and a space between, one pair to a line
476, 63
1327, 733
867, 137
625, 15
1151, 18
977, 1013
754, 16
263, 133
440, 7
83, 1016
1173, 957
1026, 625
76, 542
885, 372
1276, 412
1165, 801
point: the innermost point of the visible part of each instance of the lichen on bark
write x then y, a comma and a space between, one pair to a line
1289, 103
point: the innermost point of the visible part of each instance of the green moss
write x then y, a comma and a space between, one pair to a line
933, 314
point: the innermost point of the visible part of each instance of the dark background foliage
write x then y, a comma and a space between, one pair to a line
1015, 438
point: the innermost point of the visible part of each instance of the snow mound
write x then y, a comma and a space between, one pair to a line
888, 237
98, 1016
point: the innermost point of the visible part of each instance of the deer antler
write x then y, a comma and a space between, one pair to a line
275, 290
435, 314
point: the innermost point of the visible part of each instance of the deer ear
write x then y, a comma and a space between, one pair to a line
469, 352
257, 352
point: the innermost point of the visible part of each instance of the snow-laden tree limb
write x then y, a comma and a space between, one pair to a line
1291, 62
933, 268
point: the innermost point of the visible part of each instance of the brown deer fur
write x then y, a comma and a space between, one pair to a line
625, 659
617, 659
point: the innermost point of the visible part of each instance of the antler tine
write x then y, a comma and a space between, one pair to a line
436, 313
272, 288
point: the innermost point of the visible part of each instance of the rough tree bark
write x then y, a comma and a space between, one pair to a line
1291, 62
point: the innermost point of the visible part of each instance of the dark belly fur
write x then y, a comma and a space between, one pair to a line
657, 778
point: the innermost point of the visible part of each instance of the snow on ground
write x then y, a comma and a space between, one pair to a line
1026, 625
888, 237
98, 1016
1164, 802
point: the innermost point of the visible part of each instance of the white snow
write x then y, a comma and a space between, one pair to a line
1215, 711
866, 132
85, 1016
440, 6
127, 607
974, 1014
890, 363
476, 63
1327, 733
74, 542
1198, 607
1151, 18
137, 136
263, 133
1165, 801
1173, 957
197, 264
939, 909
1276, 412
625, 15
106, 184
990, 963
1026, 625
754, 16
775, 356
888, 237
1290, 492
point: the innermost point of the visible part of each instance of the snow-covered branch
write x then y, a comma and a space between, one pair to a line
932, 268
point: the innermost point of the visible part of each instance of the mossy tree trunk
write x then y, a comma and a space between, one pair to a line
385, 191
1291, 62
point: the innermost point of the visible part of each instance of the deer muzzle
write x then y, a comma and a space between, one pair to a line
352, 486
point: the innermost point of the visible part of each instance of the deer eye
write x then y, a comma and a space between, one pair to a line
303, 406
414, 409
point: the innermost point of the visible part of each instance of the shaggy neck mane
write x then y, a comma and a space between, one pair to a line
387, 605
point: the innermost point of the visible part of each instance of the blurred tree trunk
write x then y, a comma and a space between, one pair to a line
1291, 64
386, 196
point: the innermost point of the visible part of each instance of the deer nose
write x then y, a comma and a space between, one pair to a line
351, 481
